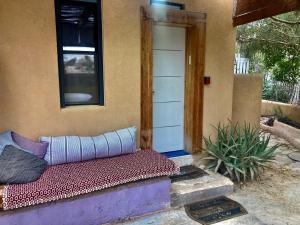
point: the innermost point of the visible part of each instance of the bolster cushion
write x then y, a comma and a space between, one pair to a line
67, 149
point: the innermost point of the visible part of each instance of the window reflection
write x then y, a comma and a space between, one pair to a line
80, 79
75, 63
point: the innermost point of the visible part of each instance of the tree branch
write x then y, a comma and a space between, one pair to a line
286, 34
248, 39
285, 21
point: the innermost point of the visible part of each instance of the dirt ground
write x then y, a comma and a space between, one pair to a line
274, 199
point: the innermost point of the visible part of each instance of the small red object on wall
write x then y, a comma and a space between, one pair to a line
206, 80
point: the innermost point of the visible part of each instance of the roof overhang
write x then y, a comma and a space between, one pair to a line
246, 11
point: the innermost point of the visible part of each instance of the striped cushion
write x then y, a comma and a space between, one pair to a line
67, 149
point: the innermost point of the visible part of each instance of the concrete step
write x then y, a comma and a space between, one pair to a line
182, 160
194, 190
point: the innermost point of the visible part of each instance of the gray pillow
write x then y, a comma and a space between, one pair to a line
18, 166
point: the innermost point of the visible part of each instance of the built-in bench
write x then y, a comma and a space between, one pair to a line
92, 192
106, 206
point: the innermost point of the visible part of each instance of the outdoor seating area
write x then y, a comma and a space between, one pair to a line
118, 187
99, 183
138, 112
69, 180
74, 172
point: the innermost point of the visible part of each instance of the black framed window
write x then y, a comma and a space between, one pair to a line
167, 4
79, 44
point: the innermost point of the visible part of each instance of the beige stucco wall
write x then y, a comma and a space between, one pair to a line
29, 86
219, 60
247, 99
288, 110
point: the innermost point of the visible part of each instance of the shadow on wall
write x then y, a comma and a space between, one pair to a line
6, 110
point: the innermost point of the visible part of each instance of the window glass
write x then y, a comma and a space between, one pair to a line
79, 47
80, 79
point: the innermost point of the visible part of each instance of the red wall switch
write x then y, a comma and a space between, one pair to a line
206, 80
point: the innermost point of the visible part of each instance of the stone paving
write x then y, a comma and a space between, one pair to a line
274, 199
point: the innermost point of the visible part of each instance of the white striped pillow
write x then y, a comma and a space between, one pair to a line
66, 149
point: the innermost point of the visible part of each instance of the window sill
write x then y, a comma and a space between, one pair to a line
82, 108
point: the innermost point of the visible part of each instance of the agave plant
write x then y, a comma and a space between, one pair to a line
239, 152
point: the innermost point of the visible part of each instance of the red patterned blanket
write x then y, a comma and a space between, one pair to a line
68, 180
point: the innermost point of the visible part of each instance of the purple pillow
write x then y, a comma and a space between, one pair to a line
36, 148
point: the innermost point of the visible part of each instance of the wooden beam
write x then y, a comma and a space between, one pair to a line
146, 81
199, 87
173, 16
194, 85
189, 89
246, 11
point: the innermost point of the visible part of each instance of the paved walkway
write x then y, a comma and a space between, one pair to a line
273, 200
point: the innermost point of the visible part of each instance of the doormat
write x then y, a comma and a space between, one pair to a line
187, 173
214, 210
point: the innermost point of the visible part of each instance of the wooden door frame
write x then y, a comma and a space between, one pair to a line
195, 24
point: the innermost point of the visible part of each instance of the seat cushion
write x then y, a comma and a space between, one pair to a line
67, 149
19, 167
72, 179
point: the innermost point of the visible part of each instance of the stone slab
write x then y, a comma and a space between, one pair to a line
209, 186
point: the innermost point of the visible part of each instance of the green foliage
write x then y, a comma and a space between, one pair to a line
273, 92
239, 152
273, 45
278, 113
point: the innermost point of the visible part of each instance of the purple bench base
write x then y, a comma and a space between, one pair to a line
110, 205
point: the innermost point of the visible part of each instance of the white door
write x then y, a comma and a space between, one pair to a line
168, 88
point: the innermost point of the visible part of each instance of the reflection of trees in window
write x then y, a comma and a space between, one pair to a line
79, 64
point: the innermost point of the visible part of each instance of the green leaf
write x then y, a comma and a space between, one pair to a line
218, 165
242, 151
252, 174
